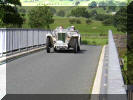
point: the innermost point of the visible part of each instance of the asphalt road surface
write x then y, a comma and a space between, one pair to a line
54, 73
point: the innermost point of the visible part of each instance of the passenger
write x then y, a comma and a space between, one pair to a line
73, 28
61, 27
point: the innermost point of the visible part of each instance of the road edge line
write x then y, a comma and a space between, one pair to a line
98, 77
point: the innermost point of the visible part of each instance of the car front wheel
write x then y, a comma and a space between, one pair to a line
75, 46
48, 45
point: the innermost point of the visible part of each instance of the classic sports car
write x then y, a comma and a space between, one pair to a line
62, 39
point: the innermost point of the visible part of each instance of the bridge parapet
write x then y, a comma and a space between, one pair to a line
115, 79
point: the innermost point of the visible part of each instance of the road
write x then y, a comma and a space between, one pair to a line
54, 73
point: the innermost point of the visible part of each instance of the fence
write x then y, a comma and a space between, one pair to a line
14, 39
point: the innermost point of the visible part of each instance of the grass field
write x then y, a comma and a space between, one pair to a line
94, 33
95, 27
98, 40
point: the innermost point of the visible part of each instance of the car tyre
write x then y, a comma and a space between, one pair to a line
48, 45
75, 46
78, 48
55, 49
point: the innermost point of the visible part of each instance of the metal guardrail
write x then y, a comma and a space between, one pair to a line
16, 39
115, 79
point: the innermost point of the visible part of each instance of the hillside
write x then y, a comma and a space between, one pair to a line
63, 2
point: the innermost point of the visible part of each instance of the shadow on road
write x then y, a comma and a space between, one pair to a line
69, 51
47, 97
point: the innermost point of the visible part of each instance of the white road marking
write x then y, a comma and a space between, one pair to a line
97, 82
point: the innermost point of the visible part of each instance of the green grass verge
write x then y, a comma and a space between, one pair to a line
95, 41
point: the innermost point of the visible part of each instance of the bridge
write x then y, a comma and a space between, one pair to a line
26, 68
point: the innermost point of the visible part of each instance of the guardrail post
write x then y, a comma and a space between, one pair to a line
27, 40
12, 42
33, 39
1, 43
19, 40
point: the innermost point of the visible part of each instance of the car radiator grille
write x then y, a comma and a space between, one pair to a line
62, 36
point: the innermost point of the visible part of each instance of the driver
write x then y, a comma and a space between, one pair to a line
73, 27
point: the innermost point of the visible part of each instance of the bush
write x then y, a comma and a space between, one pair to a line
88, 21
79, 12
22, 10
93, 4
122, 18
108, 21
53, 10
84, 42
61, 13
94, 42
78, 21
102, 34
72, 21
93, 13
102, 17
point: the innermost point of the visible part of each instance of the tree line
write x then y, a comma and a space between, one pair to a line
9, 15
38, 17
42, 17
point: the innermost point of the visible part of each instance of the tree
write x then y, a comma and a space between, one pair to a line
93, 4
122, 4
9, 15
13, 2
130, 43
53, 10
130, 17
22, 10
120, 20
93, 13
102, 17
103, 5
130, 26
61, 13
111, 3
77, 3
111, 6
80, 12
40, 17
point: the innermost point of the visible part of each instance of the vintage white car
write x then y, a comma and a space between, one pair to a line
63, 39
